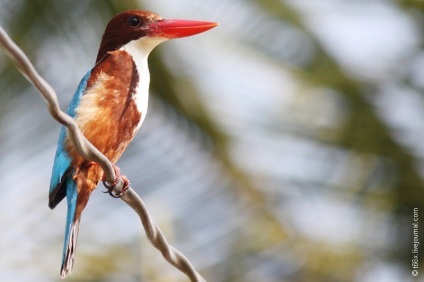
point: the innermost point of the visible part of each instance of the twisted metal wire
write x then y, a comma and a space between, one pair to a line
90, 153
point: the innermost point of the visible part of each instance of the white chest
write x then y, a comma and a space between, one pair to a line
141, 95
139, 50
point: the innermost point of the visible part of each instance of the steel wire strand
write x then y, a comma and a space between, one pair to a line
90, 153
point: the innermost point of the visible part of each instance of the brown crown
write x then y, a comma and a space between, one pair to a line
123, 28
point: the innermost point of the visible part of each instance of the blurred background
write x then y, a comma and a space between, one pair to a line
284, 145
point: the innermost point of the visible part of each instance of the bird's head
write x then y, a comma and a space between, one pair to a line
133, 25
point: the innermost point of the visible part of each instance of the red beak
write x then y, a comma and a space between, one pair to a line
178, 28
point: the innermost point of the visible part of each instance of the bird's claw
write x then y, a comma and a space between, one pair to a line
110, 187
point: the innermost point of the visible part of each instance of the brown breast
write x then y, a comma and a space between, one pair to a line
107, 114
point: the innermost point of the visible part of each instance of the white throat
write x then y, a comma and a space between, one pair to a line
139, 50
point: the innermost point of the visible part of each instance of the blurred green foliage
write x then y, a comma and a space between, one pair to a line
394, 188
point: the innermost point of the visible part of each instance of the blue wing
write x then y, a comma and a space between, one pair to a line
62, 161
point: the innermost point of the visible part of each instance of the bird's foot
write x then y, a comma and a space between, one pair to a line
110, 187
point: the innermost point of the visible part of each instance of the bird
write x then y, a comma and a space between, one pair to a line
109, 106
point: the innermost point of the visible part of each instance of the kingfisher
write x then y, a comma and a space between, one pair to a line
109, 107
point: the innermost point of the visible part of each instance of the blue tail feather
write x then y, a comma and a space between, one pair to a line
72, 226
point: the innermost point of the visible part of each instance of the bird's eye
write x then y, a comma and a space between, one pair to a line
134, 21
